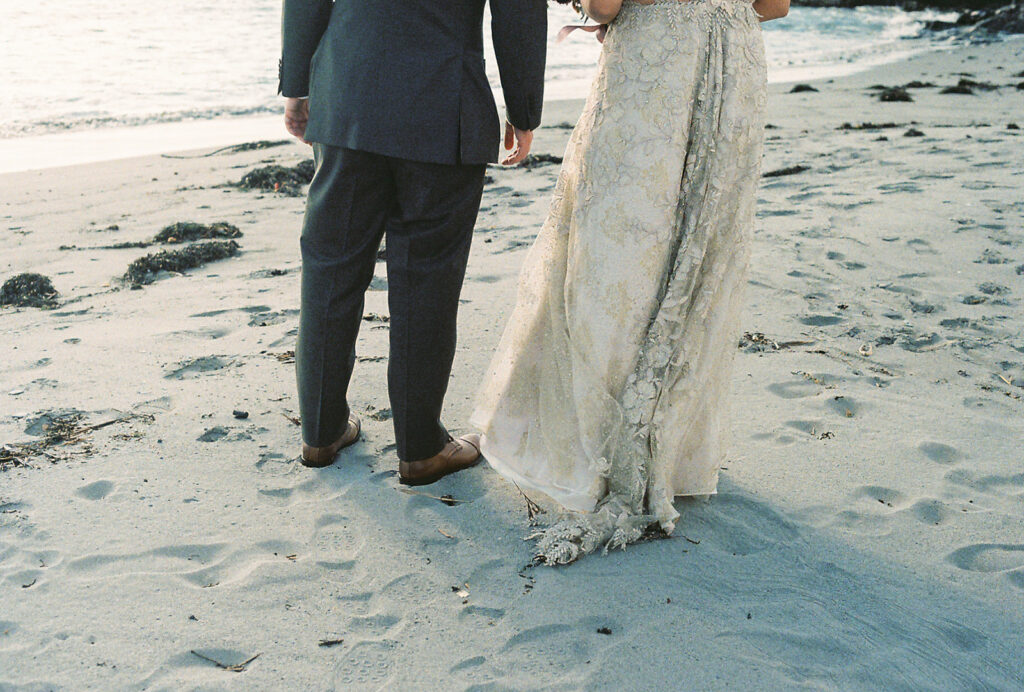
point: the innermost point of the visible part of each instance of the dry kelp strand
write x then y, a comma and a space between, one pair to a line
145, 269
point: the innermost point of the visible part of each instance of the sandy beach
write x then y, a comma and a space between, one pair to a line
157, 532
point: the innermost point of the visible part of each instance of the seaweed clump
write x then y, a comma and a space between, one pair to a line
283, 179
145, 269
534, 160
187, 231
29, 291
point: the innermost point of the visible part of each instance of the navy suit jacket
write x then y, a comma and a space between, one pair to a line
405, 78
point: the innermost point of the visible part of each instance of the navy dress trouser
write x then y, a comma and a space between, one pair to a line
426, 212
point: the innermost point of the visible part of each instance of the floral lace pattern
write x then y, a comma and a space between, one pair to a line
607, 391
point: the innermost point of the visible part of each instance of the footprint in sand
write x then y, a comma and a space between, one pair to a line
921, 246
940, 453
1012, 484
197, 366
809, 427
992, 558
821, 320
794, 389
367, 665
338, 538
375, 625
929, 511
844, 406
467, 664
872, 510
95, 491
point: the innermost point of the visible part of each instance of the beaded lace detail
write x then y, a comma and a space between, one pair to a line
608, 389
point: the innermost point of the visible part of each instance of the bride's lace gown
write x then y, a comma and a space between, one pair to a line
608, 389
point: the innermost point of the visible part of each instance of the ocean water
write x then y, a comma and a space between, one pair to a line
72, 65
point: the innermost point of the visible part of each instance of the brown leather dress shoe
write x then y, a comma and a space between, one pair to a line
319, 457
457, 455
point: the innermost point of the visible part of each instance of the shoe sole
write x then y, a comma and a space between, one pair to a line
434, 478
313, 465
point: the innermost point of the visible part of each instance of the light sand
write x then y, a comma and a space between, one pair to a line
869, 529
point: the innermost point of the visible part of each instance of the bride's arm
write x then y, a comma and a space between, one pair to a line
771, 9
602, 11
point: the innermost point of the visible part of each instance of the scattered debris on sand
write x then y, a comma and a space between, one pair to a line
57, 431
283, 179
29, 291
145, 269
757, 342
187, 231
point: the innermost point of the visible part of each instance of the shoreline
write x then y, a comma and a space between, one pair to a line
94, 145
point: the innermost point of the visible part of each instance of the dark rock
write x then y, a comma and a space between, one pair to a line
1012, 126
29, 291
895, 94
144, 270
939, 25
1021, 86
185, 231
791, 170
958, 89
1008, 19
798, 88
913, 132
916, 84
240, 415
274, 178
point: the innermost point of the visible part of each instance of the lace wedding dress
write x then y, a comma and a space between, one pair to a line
608, 389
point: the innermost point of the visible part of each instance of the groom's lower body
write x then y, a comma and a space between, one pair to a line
427, 213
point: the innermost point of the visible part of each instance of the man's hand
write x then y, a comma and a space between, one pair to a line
296, 115
521, 139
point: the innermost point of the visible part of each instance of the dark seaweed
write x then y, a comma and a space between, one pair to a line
144, 270
29, 291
